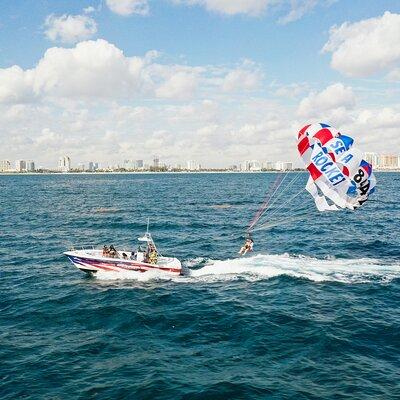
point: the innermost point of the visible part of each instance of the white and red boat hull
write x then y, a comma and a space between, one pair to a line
91, 261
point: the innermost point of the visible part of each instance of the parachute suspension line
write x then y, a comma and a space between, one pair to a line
289, 185
268, 197
267, 205
276, 185
301, 213
283, 221
286, 202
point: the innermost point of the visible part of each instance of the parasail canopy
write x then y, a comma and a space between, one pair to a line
339, 176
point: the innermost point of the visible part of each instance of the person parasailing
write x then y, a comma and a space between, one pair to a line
247, 246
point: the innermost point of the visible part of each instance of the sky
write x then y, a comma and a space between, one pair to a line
215, 81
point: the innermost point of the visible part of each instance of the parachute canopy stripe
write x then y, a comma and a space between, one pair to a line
324, 135
314, 171
366, 166
301, 132
303, 145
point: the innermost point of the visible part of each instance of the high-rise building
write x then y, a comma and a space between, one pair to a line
20, 165
269, 165
5, 165
254, 166
284, 166
64, 164
372, 158
30, 166
388, 161
250, 165
139, 164
156, 162
93, 166
245, 165
193, 165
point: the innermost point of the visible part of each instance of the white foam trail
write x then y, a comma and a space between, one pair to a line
261, 267
195, 262
268, 266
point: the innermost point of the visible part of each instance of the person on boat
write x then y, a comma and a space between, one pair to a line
124, 256
146, 257
105, 251
141, 255
248, 246
151, 256
133, 255
113, 253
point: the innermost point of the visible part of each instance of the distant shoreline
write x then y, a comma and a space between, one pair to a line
159, 172
146, 172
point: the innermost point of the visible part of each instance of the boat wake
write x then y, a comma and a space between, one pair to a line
261, 267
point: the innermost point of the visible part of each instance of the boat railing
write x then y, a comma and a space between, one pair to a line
91, 247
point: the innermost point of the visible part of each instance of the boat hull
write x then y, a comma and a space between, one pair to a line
93, 264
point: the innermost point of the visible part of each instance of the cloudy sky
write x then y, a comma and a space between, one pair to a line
217, 81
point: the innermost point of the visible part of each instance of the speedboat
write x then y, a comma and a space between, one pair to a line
93, 260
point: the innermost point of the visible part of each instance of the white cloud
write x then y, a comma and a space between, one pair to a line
48, 138
79, 100
70, 28
128, 7
214, 132
89, 10
298, 9
255, 8
180, 85
16, 86
394, 75
99, 70
382, 118
366, 47
244, 78
290, 91
250, 7
91, 69
332, 102
206, 111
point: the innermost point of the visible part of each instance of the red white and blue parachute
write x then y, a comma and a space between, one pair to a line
339, 179
339, 176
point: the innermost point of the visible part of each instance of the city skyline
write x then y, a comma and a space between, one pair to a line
379, 162
65, 164
218, 90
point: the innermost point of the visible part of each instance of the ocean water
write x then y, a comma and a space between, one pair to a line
312, 313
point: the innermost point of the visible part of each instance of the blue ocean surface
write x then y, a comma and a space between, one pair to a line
312, 313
